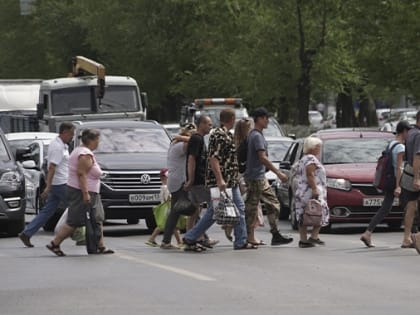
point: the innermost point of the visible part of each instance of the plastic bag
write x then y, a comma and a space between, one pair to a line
160, 213
79, 233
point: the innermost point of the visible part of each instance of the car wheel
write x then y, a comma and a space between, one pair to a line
326, 229
293, 221
150, 223
16, 226
394, 225
133, 221
284, 212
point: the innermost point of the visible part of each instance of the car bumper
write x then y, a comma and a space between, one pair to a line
12, 208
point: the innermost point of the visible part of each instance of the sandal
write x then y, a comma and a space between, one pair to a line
247, 246
55, 249
261, 242
194, 248
104, 250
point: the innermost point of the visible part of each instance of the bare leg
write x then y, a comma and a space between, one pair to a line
63, 233
177, 235
408, 221
155, 233
315, 232
303, 232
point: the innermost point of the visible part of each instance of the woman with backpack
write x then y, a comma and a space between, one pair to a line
397, 149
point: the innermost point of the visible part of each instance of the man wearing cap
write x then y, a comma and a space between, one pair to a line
397, 148
258, 187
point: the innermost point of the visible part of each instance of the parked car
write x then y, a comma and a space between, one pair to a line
315, 119
173, 129
37, 144
331, 120
274, 129
12, 190
131, 155
277, 148
350, 160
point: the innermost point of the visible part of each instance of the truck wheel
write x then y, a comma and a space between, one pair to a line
16, 226
133, 221
150, 223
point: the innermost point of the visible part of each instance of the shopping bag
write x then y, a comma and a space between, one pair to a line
160, 213
61, 222
78, 234
312, 214
93, 232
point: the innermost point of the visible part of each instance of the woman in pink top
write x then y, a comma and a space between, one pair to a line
82, 191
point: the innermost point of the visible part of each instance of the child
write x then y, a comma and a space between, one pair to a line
164, 196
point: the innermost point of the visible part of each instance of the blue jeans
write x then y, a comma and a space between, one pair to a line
207, 221
56, 195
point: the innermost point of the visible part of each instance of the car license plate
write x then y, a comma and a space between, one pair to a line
137, 198
377, 202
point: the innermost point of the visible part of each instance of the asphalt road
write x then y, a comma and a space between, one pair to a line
342, 277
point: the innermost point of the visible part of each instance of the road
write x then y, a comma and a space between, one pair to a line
342, 277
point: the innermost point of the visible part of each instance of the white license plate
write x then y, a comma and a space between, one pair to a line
377, 202
137, 198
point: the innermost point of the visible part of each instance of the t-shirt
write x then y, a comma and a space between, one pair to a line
255, 170
58, 154
176, 166
197, 148
395, 151
413, 144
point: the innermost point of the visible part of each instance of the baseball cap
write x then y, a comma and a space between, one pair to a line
164, 172
403, 125
260, 112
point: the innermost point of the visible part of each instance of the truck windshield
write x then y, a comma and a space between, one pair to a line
82, 100
133, 140
119, 99
214, 114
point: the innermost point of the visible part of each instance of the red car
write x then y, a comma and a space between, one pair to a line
349, 158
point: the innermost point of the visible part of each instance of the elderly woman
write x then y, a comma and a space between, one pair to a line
82, 191
311, 184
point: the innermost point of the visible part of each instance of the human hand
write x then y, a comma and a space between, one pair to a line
416, 184
315, 193
397, 191
45, 193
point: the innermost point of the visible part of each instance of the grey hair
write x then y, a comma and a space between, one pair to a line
310, 143
89, 135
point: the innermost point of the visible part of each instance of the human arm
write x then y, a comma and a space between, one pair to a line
191, 164
50, 176
84, 164
262, 156
400, 161
181, 138
310, 175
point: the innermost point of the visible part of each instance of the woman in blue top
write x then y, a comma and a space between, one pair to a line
397, 162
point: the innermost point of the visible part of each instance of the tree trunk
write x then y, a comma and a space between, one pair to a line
344, 110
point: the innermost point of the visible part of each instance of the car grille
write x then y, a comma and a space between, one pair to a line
132, 180
367, 189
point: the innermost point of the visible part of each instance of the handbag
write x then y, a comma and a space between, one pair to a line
407, 178
312, 214
184, 206
93, 232
226, 213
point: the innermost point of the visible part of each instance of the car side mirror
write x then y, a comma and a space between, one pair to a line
22, 154
285, 165
29, 164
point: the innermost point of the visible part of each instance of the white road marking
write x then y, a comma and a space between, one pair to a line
179, 271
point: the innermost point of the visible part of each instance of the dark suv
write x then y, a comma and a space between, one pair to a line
131, 155
12, 191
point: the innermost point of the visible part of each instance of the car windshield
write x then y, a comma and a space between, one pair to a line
359, 150
133, 140
273, 129
277, 150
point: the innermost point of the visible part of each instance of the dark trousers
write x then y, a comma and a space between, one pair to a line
383, 211
173, 216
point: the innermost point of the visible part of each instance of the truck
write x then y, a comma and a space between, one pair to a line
87, 94
212, 107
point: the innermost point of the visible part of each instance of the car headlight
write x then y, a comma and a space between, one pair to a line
339, 183
11, 179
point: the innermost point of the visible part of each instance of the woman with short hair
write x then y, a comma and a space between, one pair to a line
82, 191
311, 184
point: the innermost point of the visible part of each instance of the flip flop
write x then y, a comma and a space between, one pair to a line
247, 246
257, 243
366, 242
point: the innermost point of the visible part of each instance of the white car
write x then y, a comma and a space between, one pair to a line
277, 148
37, 142
315, 119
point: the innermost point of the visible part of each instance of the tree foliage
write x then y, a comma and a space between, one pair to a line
285, 55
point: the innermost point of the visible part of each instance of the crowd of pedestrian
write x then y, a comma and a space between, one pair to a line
229, 165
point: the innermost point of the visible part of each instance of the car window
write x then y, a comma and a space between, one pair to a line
277, 150
35, 152
4, 155
360, 150
133, 140
21, 143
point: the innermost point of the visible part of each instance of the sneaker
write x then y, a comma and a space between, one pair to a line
279, 239
152, 243
306, 244
316, 241
26, 240
208, 243
168, 246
